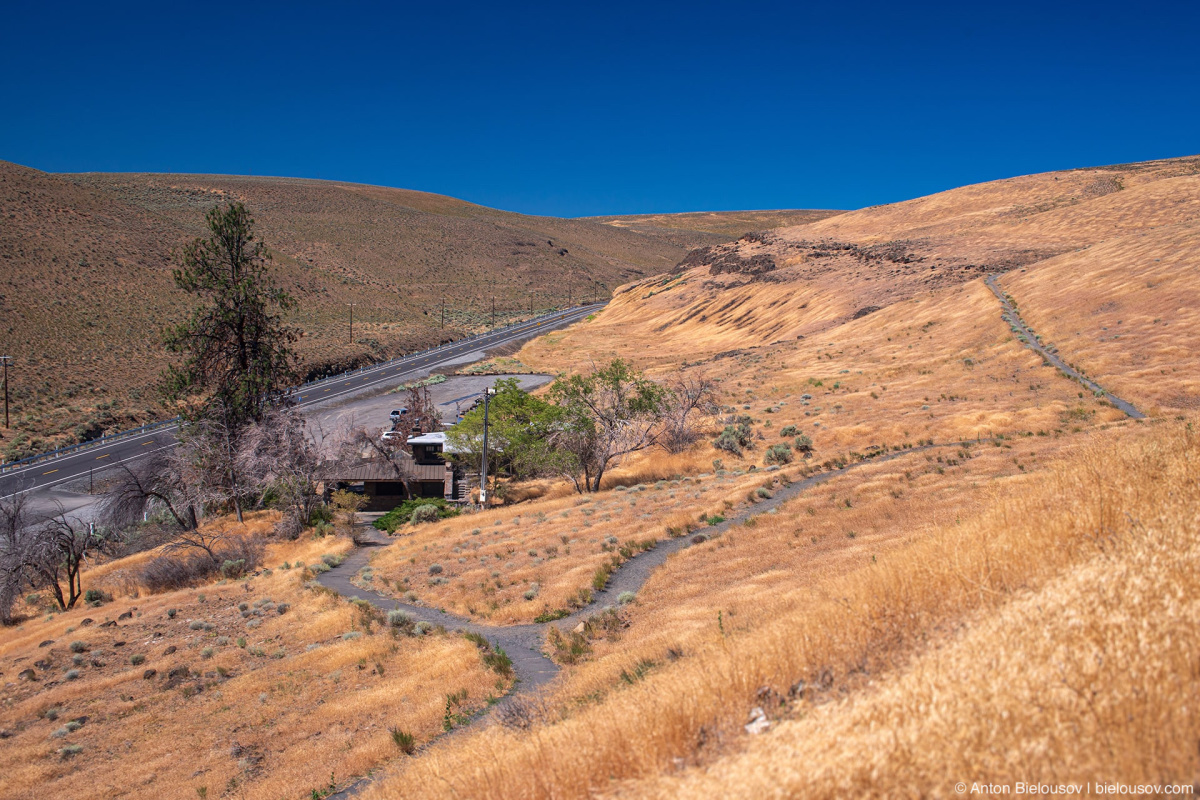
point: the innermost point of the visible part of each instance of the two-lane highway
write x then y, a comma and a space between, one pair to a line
73, 466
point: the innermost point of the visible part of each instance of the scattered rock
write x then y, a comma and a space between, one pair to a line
796, 692
118, 644
83, 623
169, 650
148, 674
578, 628
43, 665
126, 615
699, 538
758, 722
112, 623
27, 675
46, 643
6, 734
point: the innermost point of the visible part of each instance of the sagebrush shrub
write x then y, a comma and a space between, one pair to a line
778, 454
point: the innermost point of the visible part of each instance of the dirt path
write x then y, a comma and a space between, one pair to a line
523, 643
1013, 318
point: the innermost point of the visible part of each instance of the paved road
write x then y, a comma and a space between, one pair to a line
1013, 318
79, 465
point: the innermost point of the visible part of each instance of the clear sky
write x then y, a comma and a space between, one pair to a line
575, 108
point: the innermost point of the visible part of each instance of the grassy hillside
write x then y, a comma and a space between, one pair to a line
700, 228
982, 573
85, 281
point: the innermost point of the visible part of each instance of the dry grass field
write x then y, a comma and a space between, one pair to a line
1041, 635
264, 704
1008, 595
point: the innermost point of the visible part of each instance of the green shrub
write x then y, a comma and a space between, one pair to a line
736, 437
550, 616
778, 454
435, 569
401, 620
625, 598
404, 513
78, 647
788, 430
424, 514
803, 443
233, 569
93, 596
171, 612
196, 625
72, 674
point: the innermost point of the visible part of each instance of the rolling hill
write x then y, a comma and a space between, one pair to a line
934, 558
86, 288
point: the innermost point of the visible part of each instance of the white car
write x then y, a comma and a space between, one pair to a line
397, 414
390, 435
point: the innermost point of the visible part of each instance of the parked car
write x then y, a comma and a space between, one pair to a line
390, 435
398, 413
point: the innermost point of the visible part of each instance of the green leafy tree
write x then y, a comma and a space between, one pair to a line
520, 432
237, 356
607, 414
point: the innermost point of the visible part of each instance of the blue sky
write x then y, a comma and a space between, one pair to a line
601, 108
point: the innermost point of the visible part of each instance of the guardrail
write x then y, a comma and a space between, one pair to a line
150, 427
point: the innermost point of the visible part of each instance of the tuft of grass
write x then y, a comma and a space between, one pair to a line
403, 740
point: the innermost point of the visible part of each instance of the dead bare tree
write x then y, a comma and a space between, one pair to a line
277, 455
688, 397
50, 553
15, 541
155, 480
60, 546
422, 416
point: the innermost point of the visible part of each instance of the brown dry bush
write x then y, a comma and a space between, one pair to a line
178, 570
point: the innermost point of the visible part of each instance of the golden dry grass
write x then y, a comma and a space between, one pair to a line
1127, 311
297, 702
907, 660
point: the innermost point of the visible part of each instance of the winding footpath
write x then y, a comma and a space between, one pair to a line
523, 643
1010, 315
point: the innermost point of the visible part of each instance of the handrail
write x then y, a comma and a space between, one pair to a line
149, 427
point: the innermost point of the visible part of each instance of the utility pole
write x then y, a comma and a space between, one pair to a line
531, 304
6, 359
443, 313
487, 395
351, 322
493, 312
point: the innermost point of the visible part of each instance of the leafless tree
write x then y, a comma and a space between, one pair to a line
388, 452
688, 397
158, 480
15, 542
277, 454
60, 546
49, 553
422, 416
